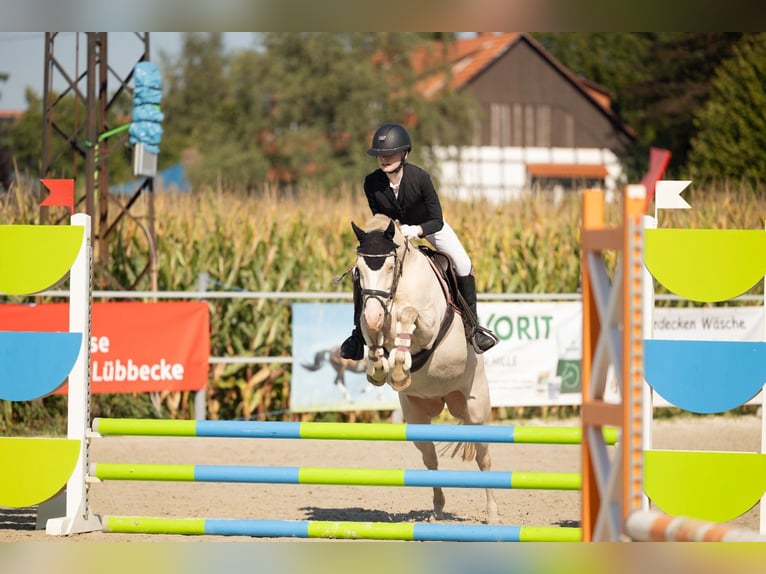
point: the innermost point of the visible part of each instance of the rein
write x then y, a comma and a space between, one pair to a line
386, 299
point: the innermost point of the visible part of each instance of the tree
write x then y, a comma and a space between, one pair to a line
301, 108
3, 79
681, 67
657, 80
731, 127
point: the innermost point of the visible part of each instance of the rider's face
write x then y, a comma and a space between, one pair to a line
389, 163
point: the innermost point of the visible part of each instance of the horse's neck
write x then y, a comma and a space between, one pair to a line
419, 278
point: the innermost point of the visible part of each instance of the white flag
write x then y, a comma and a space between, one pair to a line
667, 195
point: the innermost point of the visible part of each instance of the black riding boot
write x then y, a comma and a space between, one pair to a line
481, 339
353, 347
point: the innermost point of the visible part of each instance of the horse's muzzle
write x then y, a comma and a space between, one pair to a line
374, 314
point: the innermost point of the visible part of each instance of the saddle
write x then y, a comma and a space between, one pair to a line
442, 267
445, 273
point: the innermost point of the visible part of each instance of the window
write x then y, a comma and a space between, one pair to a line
527, 125
543, 126
500, 125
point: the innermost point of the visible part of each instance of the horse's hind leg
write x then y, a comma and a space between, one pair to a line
484, 461
431, 462
418, 411
475, 411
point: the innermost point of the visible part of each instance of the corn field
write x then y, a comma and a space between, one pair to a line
300, 241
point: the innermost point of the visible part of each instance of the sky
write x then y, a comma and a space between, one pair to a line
22, 57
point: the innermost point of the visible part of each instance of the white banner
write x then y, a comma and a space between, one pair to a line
707, 324
321, 380
536, 362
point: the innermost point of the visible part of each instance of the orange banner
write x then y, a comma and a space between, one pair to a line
134, 346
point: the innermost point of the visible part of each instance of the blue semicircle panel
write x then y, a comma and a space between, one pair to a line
35, 364
705, 376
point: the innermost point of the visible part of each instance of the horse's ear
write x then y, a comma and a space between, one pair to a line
360, 234
390, 231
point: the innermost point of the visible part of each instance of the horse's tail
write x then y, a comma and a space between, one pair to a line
319, 360
464, 450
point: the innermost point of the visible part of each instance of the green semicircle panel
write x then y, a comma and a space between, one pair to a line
705, 376
711, 486
34, 469
706, 265
36, 257
35, 363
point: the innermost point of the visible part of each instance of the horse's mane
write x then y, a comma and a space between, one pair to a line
379, 222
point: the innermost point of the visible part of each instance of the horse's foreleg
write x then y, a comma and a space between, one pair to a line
377, 366
400, 358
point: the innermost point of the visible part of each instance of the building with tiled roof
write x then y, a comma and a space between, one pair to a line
541, 126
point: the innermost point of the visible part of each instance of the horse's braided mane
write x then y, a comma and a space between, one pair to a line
377, 222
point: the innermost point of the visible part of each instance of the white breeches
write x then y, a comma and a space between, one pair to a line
446, 241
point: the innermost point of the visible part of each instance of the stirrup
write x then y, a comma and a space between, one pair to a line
483, 340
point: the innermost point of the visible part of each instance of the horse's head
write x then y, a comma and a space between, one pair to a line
378, 263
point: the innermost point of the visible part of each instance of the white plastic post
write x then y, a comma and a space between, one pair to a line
78, 516
647, 409
763, 416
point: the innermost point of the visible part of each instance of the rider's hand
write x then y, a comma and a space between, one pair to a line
411, 231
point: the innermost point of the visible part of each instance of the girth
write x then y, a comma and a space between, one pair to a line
421, 357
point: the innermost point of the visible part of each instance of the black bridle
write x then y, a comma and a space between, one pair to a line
385, 298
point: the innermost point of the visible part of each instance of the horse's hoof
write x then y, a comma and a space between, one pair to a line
376, 382
401, 385
435, 516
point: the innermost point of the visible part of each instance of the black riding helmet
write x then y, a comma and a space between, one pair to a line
389, 139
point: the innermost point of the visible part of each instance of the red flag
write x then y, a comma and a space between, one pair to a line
658, 162
62, 193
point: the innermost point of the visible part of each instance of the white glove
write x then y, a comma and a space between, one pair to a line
411, 231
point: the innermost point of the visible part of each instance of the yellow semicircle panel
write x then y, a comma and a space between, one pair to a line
706, 485
34, 469
706, 265
36, 257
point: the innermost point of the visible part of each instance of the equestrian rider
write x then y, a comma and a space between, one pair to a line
404, 192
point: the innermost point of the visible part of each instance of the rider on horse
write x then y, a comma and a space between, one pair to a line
404, 192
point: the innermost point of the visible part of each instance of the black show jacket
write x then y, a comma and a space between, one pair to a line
418, 203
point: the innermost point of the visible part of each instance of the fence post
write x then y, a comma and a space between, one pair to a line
200, 397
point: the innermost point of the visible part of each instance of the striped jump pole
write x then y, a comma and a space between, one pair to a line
345, 431
345, 530
337, 476
653, 526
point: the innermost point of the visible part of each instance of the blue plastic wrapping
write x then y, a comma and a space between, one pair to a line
146, 127
145, 95
147, 113
146, 74
147, 133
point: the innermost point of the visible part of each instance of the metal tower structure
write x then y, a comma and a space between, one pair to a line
77, 123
